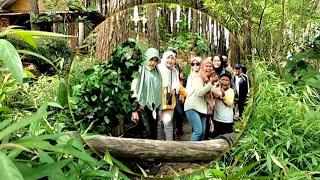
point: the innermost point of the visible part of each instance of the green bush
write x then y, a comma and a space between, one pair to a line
54, 49
103, 96
190, 42
282, 138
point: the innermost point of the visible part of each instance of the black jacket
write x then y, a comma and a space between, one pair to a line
243, 88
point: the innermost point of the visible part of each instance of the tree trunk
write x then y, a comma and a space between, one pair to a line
217, 38
246, 30
152, 26
194, 21
212, 47
222, 41
150, 150
204, 25
34, 9
174, 21
166, 16
113, 31
234, 53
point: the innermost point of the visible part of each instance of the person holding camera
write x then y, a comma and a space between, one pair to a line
170, 88
200, 100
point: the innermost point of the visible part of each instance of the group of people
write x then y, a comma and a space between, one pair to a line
213, 97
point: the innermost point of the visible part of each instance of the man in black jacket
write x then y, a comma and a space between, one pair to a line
240, 83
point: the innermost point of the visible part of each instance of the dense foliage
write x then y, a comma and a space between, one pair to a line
190, 42
281, 138
56, 50
103, 96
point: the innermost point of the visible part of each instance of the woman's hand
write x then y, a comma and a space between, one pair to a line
214, 78
135, 117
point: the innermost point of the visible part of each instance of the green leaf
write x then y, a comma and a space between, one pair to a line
121, 166
98, 173
28, 39
144, 172
21, 32
8, 169
313, 82
52, 170
37, 55
62, 92
24, 122
244, 170
35, 142
29, 74
5, 109
219, 173
107, 157
4, 123
269, 163
44, 157
94, 97
54, 104
11, 59
275, 160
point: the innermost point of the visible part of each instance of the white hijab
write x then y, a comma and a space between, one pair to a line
170, 77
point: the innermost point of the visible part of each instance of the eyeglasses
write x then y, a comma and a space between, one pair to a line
197, 64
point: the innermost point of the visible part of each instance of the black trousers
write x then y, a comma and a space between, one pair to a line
178, 116
221, 128
146, 127
241, 106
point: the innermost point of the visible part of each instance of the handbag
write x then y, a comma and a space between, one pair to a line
169, 94
169, 98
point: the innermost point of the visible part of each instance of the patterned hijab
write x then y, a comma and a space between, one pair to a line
209, 95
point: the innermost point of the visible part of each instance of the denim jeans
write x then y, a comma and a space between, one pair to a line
198, 122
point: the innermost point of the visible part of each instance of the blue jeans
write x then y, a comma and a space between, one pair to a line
198, 122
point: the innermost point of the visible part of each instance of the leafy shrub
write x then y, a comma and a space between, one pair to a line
56, 50
282, 138
103, 96
190, 42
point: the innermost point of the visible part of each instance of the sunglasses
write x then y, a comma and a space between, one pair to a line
197, 64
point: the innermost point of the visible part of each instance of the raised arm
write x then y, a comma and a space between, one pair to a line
199, 87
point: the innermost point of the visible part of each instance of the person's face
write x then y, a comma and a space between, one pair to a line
170, 62
216, 62
224, 82
237, 71
208, 69
195, 66
153, 62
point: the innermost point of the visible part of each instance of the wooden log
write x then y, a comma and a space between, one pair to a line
156, 150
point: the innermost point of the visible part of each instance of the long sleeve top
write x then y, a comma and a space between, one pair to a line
195, 99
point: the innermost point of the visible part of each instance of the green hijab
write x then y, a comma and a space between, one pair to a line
149, 87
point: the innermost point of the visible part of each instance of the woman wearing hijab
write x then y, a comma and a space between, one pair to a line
148, 93
200, 99
170, 88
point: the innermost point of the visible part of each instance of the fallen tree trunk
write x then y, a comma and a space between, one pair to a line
165, 151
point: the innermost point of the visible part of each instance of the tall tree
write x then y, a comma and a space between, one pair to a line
113, 31
246, 29
153, 27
